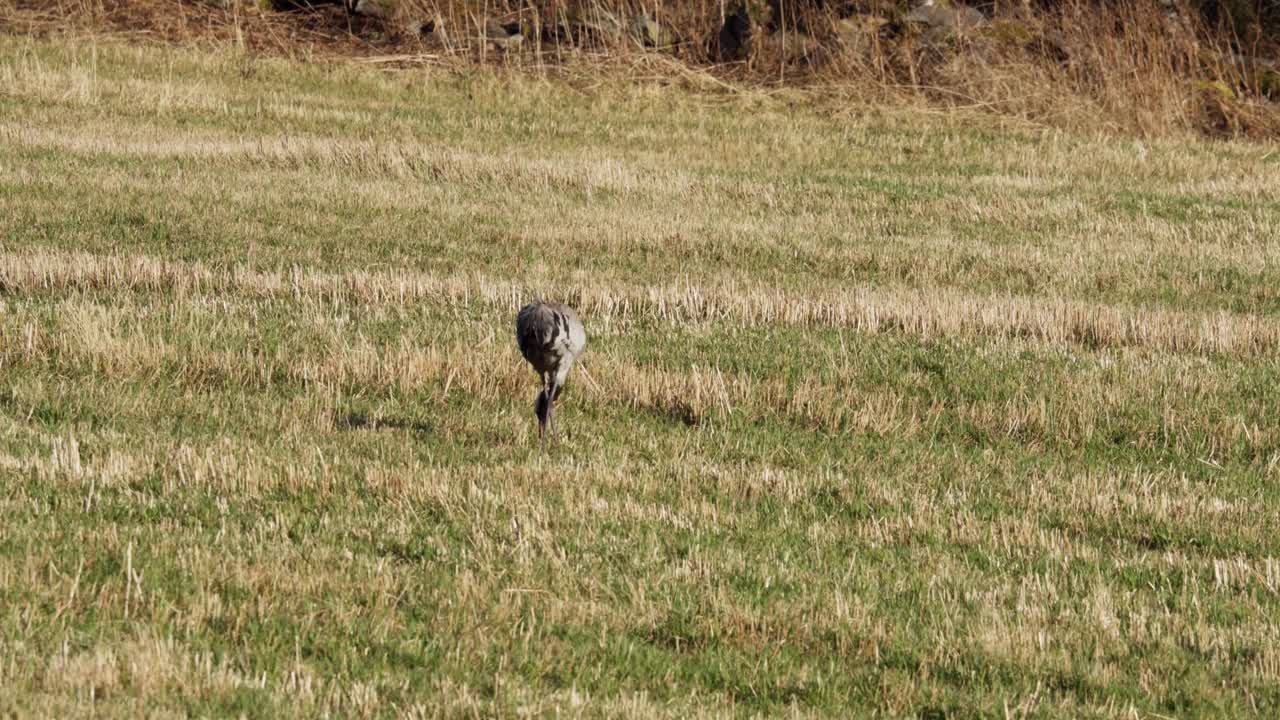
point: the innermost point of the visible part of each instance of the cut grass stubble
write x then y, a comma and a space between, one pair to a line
930, 420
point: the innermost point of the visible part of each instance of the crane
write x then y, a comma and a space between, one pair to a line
551, 338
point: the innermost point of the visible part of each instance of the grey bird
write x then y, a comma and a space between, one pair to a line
551, 338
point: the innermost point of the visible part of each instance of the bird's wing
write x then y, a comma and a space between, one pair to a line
577, 335
571, 336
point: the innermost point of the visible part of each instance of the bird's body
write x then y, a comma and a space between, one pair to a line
551, 338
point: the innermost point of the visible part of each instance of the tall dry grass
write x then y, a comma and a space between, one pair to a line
1142, 67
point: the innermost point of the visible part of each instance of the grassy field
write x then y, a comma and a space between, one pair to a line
881, 413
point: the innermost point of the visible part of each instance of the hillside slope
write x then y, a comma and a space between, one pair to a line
880, 412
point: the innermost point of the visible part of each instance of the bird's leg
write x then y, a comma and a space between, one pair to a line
551, 409
542, 421
553, 394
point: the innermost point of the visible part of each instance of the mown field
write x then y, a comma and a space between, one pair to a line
881, 413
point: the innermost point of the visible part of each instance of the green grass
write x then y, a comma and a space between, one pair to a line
881, 413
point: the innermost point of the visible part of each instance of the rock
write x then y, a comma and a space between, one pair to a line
1216, 89
1260, 72
791, 47
599, 24
431, 29
372, 8
594, 24
1269, 83
1010, 33
791, 15
735, 36
857, 32
646, 31
1054, 45
505, 36
292, 5
942, 19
